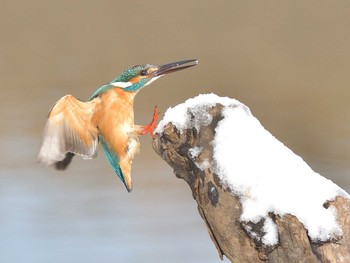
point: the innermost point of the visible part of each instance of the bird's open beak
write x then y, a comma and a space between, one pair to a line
175, 66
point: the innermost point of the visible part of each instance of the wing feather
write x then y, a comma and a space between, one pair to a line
69, 130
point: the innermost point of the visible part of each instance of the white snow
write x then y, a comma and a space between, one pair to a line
265, 174
194, 152
198, 106
271, 236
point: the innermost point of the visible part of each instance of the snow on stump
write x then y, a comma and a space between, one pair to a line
259, 200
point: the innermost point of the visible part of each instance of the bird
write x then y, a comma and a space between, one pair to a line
75, 127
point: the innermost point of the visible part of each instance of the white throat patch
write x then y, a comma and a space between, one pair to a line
121, 84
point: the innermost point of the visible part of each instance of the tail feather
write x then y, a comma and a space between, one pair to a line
114, 161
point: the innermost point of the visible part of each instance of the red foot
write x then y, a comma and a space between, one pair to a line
150, 127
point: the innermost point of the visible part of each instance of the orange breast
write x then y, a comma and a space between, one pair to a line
115, 118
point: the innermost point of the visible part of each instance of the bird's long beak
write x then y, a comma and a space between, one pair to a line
175, 66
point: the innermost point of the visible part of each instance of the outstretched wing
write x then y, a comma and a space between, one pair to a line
69, 130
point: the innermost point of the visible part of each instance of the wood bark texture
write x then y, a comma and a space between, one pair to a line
221, 209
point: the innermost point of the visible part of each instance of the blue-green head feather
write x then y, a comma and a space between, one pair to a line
132, 72
135, 78
131, 80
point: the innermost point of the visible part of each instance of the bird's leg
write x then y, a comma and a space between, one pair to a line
150, 127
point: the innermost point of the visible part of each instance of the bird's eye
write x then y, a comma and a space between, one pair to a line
143, 72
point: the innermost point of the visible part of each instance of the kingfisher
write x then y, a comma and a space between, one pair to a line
75, 127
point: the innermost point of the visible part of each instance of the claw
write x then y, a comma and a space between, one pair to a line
151, 127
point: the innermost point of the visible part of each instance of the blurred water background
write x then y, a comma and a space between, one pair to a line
287, 60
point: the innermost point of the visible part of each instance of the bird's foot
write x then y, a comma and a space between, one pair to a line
150, 127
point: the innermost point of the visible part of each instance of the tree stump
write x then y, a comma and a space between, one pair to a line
221, 209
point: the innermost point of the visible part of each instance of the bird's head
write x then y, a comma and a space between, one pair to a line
135, 78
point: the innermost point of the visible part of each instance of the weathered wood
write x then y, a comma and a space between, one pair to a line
221, 209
